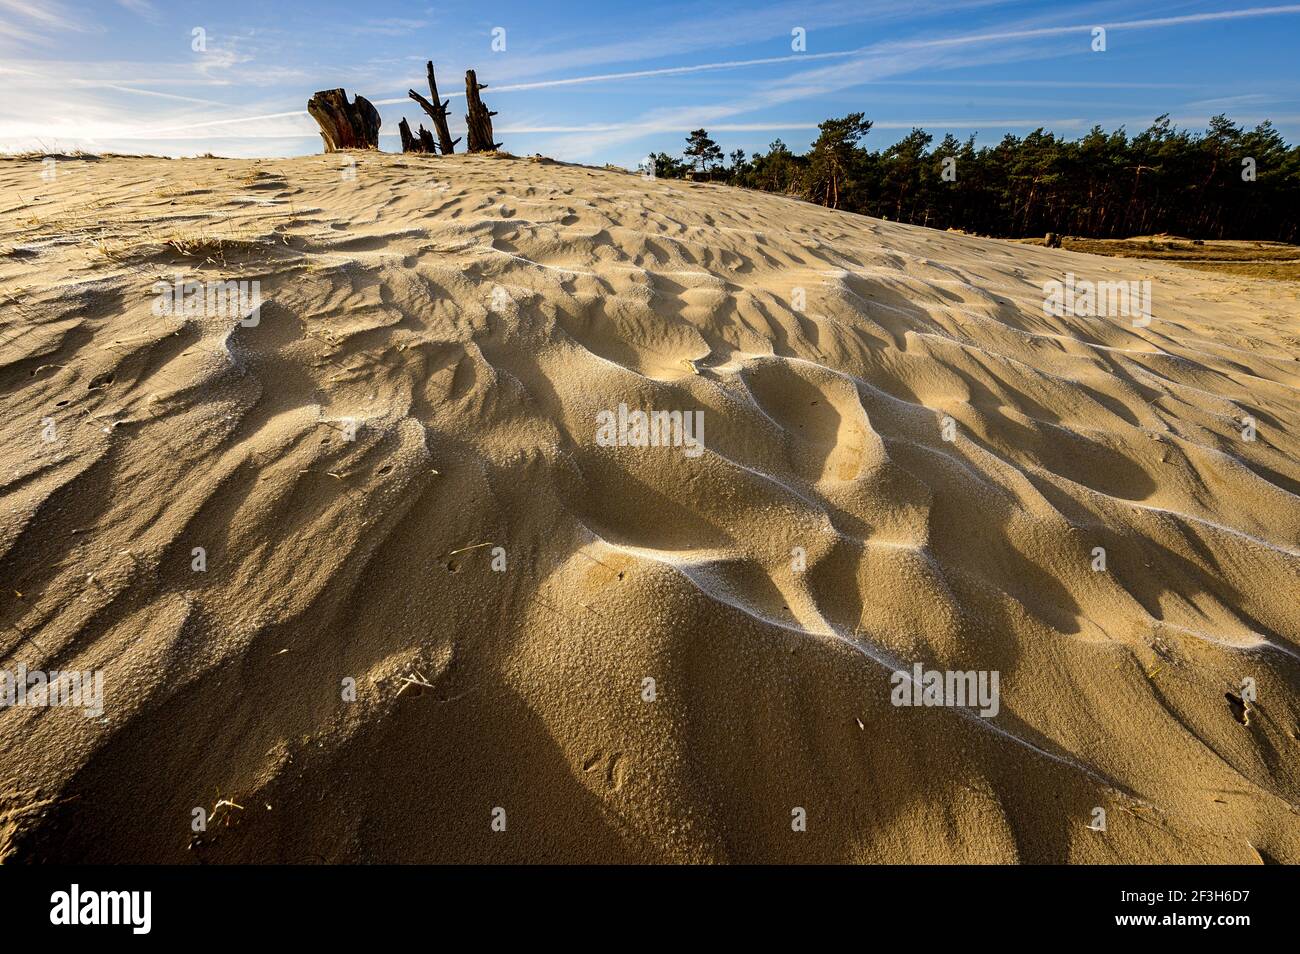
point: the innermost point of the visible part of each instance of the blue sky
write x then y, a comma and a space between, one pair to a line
611, 81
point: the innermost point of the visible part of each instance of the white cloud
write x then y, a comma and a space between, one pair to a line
881, 61
391, 26
43, 19
40, 100
47, 13
142, 8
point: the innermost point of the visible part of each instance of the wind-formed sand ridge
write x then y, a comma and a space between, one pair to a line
419, 397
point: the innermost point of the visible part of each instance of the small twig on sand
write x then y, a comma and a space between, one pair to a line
467, 549
419, 679
230, 806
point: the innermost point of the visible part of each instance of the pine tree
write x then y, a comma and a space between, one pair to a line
1226, 183
701, 150
832, 159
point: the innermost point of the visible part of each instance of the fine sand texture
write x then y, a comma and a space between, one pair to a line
365, 586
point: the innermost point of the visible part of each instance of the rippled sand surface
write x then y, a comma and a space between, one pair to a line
390, 478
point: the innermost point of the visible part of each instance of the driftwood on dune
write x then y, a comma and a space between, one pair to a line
437, 110
345, 125
478, 118
355, 125
404, 130
418, 142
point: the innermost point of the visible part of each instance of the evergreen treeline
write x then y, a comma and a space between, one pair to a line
1104, 185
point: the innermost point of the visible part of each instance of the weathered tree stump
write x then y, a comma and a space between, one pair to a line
437, 111
478, 118
345, 125
420, 142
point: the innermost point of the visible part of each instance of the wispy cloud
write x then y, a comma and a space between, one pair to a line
26, 23
391, 26
1235, 102
141, 8
725, 28
877, 62
859, 72
638, 61
1086, 28
641, 129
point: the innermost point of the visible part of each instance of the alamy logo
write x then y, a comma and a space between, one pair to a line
75, 906
1085, 299
947, 687
684, 429
71, 689
191, 299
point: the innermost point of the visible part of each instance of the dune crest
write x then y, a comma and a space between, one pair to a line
390, 475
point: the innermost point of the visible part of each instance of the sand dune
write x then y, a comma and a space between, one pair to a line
394, 477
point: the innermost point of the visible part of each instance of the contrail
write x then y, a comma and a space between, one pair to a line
223, 122
1120, 25
837, 54
903, 44
778, 127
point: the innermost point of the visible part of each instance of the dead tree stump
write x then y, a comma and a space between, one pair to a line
419, 142
437, 111
478, 119
344, 125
